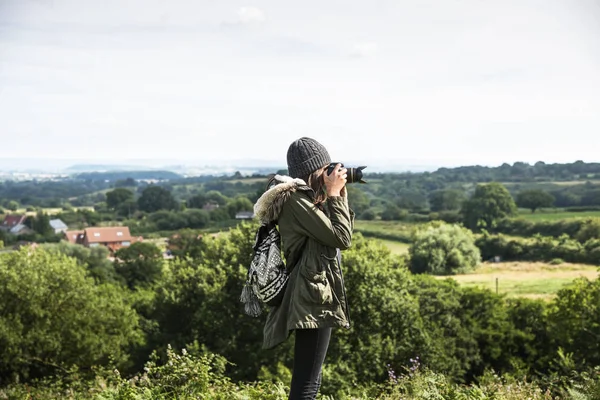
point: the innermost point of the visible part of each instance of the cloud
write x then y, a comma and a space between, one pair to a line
251, 15
364, 49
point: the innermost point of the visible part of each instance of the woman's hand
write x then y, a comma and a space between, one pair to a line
336, 181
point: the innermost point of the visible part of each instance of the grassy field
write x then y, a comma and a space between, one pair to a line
396, 231
526, 279
395, 247
49, 211
554, 215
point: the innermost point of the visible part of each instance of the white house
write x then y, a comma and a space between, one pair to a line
58, 226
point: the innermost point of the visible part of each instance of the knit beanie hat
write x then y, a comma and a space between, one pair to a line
305, 156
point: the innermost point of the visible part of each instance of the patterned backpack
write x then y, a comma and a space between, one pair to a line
267, 274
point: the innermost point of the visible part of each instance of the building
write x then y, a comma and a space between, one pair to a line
20, 229
114, 238
10, 221
58, 226
210, 206
244, 215
74, 237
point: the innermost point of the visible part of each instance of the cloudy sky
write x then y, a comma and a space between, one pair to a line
419, 82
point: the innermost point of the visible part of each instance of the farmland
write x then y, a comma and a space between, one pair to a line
555, 215
525, 279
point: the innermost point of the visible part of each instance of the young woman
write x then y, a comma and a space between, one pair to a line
315, 223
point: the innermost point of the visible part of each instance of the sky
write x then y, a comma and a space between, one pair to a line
387, 82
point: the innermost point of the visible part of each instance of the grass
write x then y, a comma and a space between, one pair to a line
396, 231
395, 247
555, 215
526, 279
49, 211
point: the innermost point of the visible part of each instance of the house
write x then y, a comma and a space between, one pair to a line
210, 206
10, 221
244, 215
58, 226
74, 237
20, 229
114, 238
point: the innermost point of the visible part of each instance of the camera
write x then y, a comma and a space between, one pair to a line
354, 174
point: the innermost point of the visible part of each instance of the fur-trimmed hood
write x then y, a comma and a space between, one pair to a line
269, 205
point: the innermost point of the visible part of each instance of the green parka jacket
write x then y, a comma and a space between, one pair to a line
315, 296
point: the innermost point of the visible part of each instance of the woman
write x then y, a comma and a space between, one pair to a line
315, 223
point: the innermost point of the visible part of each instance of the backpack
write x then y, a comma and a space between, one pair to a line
267, 275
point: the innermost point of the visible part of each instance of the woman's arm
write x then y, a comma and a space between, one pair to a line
335, 231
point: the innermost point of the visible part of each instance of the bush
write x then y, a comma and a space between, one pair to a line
539, 248
52, 316
368, 215
443, 249
581, 229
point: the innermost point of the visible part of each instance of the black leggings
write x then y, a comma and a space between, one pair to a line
309, 353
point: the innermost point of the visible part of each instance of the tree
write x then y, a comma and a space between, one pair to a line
94, 259
392, 213
240, 203
443, 249
155, 198
359, 201
118, 196
12, 205
40, 223
197, 201
139, 264
216, 197
446, 200
534, 199
67, 320
489, 203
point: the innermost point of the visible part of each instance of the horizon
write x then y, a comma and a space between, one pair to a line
72, 166
427, 83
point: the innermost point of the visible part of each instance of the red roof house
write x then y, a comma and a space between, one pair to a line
10, 221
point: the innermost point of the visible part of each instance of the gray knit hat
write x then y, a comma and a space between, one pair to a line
305, 156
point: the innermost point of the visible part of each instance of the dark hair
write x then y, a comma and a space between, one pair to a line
315, 181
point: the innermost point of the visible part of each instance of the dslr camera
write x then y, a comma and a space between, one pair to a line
354, 174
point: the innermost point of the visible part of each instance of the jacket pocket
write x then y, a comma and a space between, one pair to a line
318, 288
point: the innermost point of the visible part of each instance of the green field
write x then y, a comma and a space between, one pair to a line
525, 279
396, 231
395, 247
554, 215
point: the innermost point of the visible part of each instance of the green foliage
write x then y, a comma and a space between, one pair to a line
240, 203
155, 198
118, 196
140, 264
574, 319
40, 224
489, 203
393, 213
443, 249
359, 201
12, 206
197, 201
198, 299
52, 316
385, 322
534, 198
539, 248
94, 259
446, 200
582, 229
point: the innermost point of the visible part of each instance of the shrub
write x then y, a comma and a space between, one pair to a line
443, 249
539, 248
53, 316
